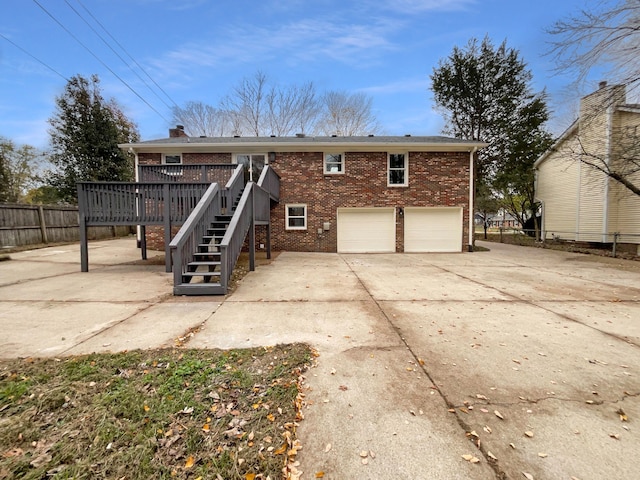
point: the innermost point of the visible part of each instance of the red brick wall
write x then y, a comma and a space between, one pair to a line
435, 179
149, 158
198, 158
187, 158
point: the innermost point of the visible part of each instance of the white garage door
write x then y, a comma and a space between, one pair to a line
433, 229
366, 230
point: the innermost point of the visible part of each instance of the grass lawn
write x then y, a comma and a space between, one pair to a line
172, 413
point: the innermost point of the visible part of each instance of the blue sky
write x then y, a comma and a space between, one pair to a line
198, 49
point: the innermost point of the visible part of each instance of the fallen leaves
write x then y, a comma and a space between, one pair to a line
528, 476
190, 462
498, 414
528, 433
470, 458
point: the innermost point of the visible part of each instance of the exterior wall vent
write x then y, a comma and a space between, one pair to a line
300, 135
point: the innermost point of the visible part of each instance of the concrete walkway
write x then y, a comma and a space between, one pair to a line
534, 351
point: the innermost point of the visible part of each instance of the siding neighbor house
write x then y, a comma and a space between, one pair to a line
580, 203
368, 194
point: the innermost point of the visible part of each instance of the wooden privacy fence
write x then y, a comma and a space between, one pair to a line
22, 225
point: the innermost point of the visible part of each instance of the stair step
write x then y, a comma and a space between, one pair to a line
200, 274
199, 263
198, 289
207, 254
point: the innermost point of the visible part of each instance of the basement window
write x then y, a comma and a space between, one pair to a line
333, 163
296, 216
172, 159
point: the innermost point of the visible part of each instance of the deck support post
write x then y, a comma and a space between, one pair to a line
167, 227
269, 240
82, 221
252, 233
143, 241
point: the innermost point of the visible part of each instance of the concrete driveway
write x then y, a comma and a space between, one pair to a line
534, 351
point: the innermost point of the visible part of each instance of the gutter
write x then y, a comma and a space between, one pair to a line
471, 197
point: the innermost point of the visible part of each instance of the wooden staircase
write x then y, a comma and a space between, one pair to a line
202, 275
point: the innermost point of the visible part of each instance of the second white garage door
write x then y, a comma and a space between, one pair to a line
366, 230
433, 229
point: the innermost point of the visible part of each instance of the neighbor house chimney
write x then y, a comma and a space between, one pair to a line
602, 84
177, 132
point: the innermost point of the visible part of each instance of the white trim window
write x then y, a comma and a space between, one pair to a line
333, 163
397, 169
172, 159
296, 216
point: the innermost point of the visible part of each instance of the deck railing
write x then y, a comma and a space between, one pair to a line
185, 243
203, 173
121, 203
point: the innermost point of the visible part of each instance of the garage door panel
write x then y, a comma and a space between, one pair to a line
366, 230
433, 229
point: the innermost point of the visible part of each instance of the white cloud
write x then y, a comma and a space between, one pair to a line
301, 41
421, 6
418, 84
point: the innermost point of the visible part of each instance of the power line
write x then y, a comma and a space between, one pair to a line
99, 60
114, 51
127, 53
35, 58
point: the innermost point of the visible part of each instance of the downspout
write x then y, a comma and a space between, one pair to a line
607, 159
471, 197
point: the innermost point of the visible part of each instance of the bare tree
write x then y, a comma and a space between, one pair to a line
291, 109
347, 114
606, 34
201, 119
248, 104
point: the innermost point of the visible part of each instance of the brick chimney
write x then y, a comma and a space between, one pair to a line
177, 132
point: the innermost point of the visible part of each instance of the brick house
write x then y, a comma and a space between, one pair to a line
346, 194
206, 199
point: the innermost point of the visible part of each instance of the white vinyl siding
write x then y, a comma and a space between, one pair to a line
557, 187
366, 230
433, 229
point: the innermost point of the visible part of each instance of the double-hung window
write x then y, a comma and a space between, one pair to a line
296, 216
397, 169
333, 163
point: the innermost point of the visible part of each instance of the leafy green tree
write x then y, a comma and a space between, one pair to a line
17, 170
84, 136
485, 94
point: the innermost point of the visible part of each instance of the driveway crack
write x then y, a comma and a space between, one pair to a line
500, 474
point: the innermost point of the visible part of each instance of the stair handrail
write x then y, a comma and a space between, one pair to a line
233, 239
185, 243
270, 181
234, 186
